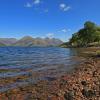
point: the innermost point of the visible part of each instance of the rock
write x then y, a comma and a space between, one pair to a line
63, 83
84, 83
88, 93
69, 95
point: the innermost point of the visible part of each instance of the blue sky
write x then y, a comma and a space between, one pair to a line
46, 18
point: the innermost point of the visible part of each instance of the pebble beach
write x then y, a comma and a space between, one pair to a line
83, 83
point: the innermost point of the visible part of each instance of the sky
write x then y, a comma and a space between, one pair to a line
46, 18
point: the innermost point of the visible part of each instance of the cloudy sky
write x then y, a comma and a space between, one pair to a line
46, 18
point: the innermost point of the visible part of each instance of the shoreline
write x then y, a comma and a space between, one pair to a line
81, 84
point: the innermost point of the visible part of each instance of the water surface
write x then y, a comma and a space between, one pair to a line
37, 62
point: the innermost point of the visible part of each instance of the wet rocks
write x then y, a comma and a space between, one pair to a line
88, 93
69, 95
82, 84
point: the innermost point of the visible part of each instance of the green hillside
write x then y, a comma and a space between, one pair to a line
87, 36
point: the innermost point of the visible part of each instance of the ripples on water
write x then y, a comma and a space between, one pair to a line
48, 61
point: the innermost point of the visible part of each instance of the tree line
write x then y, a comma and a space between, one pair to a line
89, 34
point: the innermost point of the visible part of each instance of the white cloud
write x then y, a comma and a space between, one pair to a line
37, 2
50, 35
65, 30
67, 8
64, 7
28, 5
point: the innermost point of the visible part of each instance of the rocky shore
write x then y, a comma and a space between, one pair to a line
81, 84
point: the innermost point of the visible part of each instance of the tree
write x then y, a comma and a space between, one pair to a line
89, 34
89, 25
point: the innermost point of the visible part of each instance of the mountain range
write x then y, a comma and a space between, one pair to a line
29, 41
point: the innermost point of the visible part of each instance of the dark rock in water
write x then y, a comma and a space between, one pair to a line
83, 83
98, 55
69, 95
63, 82
88, 93
95, 73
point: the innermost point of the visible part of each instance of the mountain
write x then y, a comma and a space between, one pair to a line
29, 41
25, 41
52, 41
1, 44
8, 41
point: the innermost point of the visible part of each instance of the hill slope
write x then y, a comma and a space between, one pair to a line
28, 41
1, 44
7, 41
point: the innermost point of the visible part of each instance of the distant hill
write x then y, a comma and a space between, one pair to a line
28, 41
1, 44
8, 41
25, 41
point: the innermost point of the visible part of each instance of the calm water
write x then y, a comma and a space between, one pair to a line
43, 62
